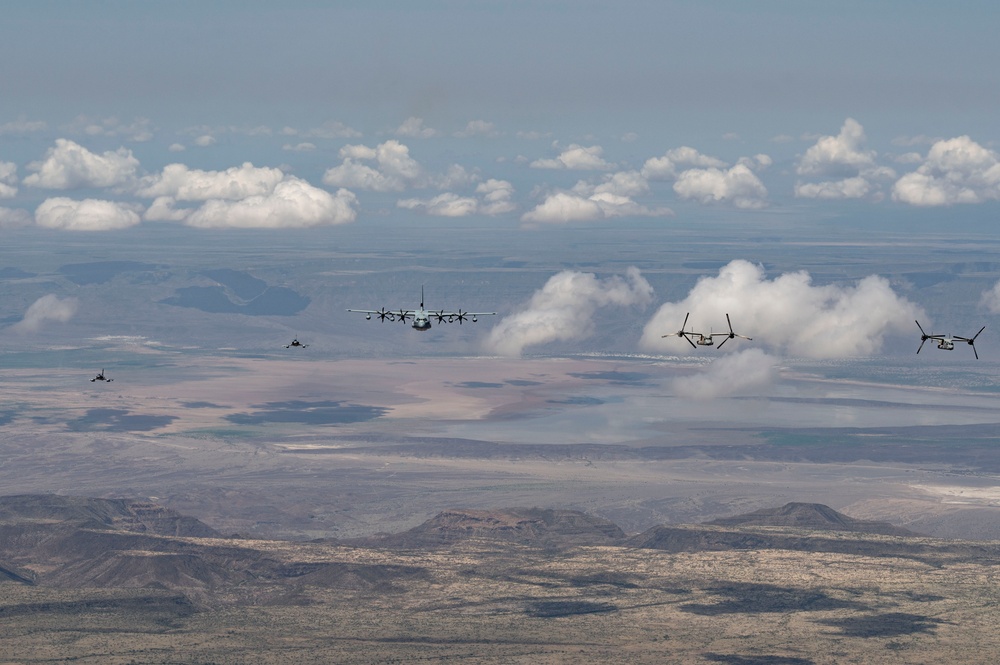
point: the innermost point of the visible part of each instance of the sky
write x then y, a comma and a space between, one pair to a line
519, 116
530, 113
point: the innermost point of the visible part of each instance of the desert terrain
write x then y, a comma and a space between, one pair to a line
302, 447
384, 495
99, 581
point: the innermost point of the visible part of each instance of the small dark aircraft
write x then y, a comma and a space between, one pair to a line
947, 342
296, 343
422, 317
703, 339
100, 377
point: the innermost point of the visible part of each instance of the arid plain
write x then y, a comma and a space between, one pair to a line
306, 448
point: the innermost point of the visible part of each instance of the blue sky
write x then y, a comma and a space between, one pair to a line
604, 63
528, 112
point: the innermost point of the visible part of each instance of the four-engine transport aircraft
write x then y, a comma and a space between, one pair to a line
100, 377
947, 342
422, 317
705, 339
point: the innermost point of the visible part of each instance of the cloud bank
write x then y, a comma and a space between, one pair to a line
244, 197
788, 313
564, 309
184, 184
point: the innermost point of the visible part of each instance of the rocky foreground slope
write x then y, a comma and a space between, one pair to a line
119, 582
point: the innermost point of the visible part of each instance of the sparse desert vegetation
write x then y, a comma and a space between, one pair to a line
481, 597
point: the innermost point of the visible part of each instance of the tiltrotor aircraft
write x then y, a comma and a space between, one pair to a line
705, 339
947, 342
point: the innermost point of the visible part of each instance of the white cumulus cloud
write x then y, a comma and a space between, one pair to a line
86, 215
576, 157
478, 128
957, 170
413, 128
243, 196
738, 186
787, 313
839, 156
68, 165
442, 205
394, 169
47, 308
848, 188
8, 180
494, 199
586, 201
622, 183
850, 171
238, 182
293, 203
990, 299
676, 160
564, 207
745, 372
564, 309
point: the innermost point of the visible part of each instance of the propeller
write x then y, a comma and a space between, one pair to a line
731, 334
682, 332
402, 315
923, 336
384, 314
439, 316
972, 341
460, 316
